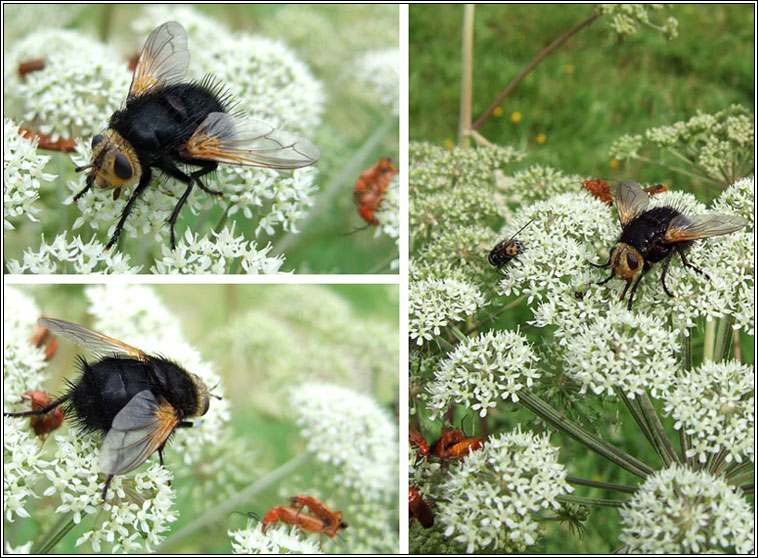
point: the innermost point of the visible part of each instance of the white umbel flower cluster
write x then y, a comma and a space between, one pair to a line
483, 370
438, 303
23, 173
23, 370
351, 432
490, 500
379, 72
276, 540
139, 505
82, 84
681, 511
715, 406
196, 255
355, 442
72, 256
626, 350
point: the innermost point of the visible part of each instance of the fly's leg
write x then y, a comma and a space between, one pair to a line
141, 187
90, 180
107, 485
604, 281
43, 411
171, 169
688, 264
645, 269
663, 275
207, 167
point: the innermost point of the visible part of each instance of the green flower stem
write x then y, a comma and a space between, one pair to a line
686, 350
495, 315
634, 409
659, 432
703, 173
383, 265
743, 478
644, 159
47, 542
748, 488
222, 220
458, 334
594, 502
723, 338
709, 343
444, 344
544, 411
736, 345
222, 510
719, 463
480, 139
467, 70
605, 485
346, 175
736, 469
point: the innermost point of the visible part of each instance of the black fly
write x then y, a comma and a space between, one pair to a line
134, 399
167, 123
653, 235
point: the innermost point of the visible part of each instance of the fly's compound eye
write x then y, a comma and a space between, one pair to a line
122, 167
97, 139
631, 261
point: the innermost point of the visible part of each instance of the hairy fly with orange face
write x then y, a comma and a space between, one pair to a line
134, 399
652, 235
168, 123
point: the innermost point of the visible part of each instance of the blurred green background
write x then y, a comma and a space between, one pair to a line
211, 317
355, 131
592, 90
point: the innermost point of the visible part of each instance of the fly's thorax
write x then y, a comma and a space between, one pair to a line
114, 160
626, 261
504, 252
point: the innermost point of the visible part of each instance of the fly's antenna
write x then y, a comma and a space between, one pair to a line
213, 394
250, 515
522, 228
85, 167
356, 229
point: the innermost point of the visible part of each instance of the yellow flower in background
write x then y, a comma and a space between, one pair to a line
614, 163
498, 112
516, 117
449, 144
568, 69
541, 138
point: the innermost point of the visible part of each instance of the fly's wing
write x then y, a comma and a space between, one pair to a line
683, 227
91, 340
245, 141
164, 59
631, 200
138, 430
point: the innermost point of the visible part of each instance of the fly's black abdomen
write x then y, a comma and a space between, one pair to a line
157, 124
646, 233
104, 388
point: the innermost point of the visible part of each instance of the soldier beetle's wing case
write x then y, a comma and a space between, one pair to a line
163, 60
631, 200
683, 227
138, 430
91, 340
245, 141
